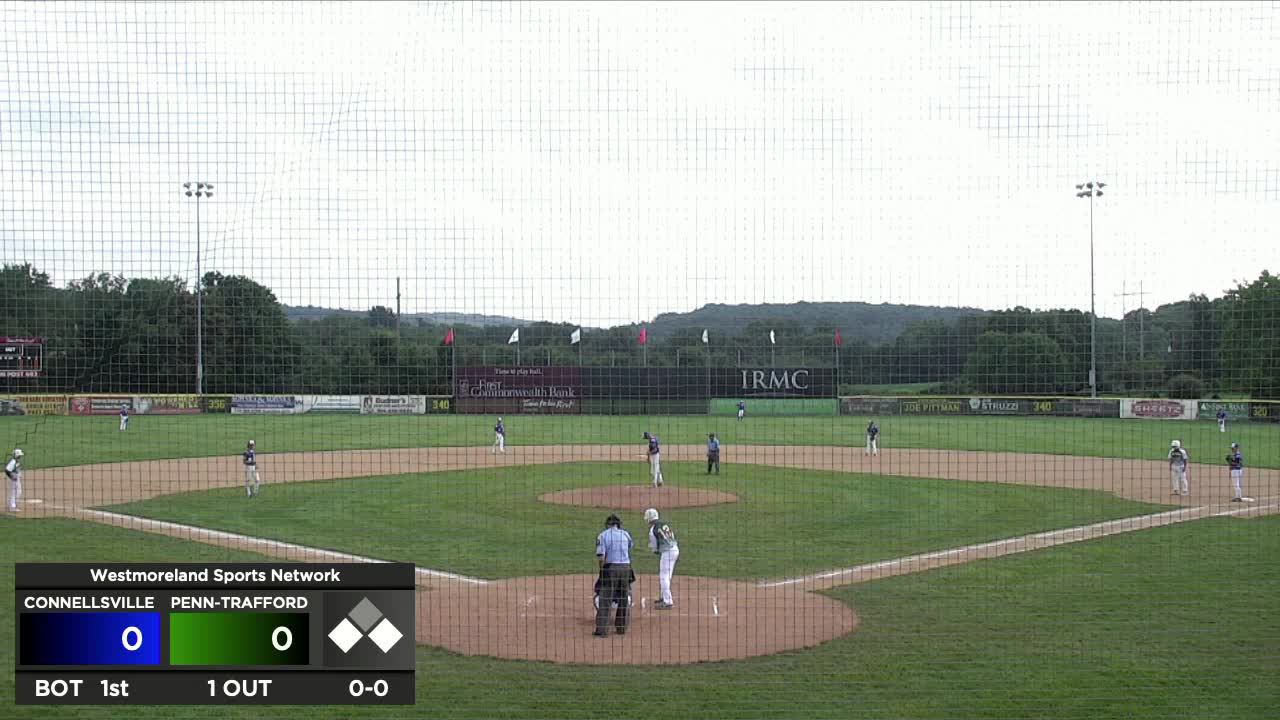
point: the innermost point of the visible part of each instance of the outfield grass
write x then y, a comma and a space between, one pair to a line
1175, 621
487, 523
56, 440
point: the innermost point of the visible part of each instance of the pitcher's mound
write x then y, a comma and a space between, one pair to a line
552, 618
638, 497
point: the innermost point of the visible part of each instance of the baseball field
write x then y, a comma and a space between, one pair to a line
1041, 563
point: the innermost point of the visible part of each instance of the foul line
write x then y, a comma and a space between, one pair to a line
165, 527
1009, 546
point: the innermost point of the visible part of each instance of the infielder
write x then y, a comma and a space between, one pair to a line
1236, 462
662, 541
124, 417
742, 409
251, 479
655, 458
713, 453
13, 470
1178, 460
499, 438
873, 434
1222, 420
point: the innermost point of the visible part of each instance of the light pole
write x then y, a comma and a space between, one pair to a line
1091, 190
201, 190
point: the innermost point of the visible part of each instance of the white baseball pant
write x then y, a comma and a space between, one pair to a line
15, 491
1179, 481
1236, 477
667, 568
655, 468
251, 480
873, 446
1222, 426
741, 413
499, 443
124, 422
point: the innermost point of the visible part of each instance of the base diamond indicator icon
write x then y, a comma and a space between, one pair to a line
385, 636
345, 635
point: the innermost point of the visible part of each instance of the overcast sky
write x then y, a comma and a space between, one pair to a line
602, 163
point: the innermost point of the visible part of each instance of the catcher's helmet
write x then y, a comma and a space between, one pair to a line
613, 521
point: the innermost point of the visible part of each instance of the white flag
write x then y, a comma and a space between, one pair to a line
515, 336
771, 340
704, 336
576, 337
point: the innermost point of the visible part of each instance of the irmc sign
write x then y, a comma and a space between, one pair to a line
775, 382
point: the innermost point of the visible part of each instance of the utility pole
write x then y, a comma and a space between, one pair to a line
1142, 320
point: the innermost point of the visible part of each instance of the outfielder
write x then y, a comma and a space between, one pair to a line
1222, 420
662, 541
13, 470
252, 481
873, 434
1236, 462
499, 438
1178, 459
124, 417
655, 458
742, 409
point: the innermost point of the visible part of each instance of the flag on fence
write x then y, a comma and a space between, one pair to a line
448, 337
704, 337
515, 336
772, 341
576, 337
839, 340
644, 335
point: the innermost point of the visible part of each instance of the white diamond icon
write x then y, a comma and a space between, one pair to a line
385, 636
345, 635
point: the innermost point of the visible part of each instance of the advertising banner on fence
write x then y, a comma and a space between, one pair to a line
393, 405
331, 404
266, 405
518, 390
869, 406
934, 406
167, 404
1235, 410
999, 406
33, 405
98, 404
1159, 409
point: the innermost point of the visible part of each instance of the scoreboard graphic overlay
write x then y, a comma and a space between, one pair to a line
231, 633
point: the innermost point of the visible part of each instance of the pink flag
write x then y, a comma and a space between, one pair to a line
448, 337
644, 335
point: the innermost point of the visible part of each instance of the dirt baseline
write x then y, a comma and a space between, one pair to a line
638, 497
552, 618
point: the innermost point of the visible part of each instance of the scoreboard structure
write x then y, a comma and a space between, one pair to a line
21, 357
229, 633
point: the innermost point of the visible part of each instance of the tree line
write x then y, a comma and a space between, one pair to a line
109, 333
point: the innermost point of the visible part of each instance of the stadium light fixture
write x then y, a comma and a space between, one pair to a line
1088, 190
202, 190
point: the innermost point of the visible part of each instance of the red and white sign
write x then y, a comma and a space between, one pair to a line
1159, 409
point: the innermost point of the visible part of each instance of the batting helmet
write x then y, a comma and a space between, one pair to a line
1176, 444
252, 443
646, 434
613, 521
651, 515
17, 452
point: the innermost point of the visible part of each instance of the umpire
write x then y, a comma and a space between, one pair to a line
613, 553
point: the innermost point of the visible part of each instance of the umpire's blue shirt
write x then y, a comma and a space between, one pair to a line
614, 544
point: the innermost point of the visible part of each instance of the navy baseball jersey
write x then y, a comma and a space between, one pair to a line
251, 457
500, 429
1236, 460
124, 412
654, 449
742, 405
1222, 414
873, 430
